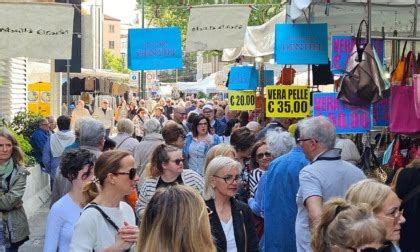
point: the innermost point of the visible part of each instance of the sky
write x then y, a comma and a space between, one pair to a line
121, 9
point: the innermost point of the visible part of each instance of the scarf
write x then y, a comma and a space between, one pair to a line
5, 170
59, 141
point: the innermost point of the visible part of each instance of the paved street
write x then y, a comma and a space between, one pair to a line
37, 227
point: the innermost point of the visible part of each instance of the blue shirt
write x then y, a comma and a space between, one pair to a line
280, 207
38, 140
60, 224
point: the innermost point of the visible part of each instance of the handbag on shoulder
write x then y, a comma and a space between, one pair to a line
362, 83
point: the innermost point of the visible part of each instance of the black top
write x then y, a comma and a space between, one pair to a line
242, 219
162, 183
408, 179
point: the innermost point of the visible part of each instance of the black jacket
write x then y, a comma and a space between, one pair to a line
243, 220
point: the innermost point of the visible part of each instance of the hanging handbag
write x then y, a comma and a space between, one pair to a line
322, 75
403, 117
287, 76
361, 84
397, 74
416, 91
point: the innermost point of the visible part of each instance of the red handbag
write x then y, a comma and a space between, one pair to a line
287, 76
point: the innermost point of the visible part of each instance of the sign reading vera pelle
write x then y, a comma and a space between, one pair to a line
346, 118
287, 101
207, 25
36, 30
154, 48
242, 100
301, 44
341, 50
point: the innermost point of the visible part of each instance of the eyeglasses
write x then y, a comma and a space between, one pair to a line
131, 173
177, 161
395, 216
305, 139
229, 179
261, 155
202, 124
384, 248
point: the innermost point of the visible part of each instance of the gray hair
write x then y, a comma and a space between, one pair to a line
213, 167
152, 126
125, 126
279, 142
91, 132
319, 128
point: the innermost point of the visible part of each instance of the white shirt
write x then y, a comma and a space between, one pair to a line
92, 231
230, 235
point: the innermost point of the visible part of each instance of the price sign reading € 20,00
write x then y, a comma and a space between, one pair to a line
242, 100
287, 101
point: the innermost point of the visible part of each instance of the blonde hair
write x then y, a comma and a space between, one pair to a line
213, 167
175, 220
369, 191
218, 150
108, 162
346, 225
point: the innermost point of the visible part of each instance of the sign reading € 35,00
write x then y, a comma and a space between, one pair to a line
242, 100
287, 101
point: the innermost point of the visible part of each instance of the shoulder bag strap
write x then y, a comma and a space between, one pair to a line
122, 142
106, 217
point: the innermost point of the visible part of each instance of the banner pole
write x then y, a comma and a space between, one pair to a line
142, 88
68, 80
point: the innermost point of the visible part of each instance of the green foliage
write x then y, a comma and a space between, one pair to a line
25, 123
114, 62
201, 95
25, 146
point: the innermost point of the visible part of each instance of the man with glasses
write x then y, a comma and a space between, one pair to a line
179, 116
327, 176
105, 115
39, 138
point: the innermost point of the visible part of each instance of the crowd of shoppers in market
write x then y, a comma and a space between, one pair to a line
197, 176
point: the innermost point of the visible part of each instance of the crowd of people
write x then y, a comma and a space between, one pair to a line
194, 175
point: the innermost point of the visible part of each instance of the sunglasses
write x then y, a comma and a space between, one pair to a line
177, 161
384, 248
131, 173
261, 155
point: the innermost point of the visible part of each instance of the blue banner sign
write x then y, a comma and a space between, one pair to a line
268, 77
154, 48
301, 44
243, 78
346, 118
341, 50
380, 112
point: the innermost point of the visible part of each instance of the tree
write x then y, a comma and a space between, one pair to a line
114, 62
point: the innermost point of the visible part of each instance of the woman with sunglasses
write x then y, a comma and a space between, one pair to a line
385, 205
176, 220
231, 222
77, 167
107, 223
343, 227
164, 169
260, 160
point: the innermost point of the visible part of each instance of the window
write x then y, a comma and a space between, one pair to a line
111, 28
111, 45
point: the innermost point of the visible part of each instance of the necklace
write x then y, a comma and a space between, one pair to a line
225, 217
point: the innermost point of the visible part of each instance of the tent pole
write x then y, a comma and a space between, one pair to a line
369, 31
413, 46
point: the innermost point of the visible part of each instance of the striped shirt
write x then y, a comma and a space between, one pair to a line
254, 178
148, 188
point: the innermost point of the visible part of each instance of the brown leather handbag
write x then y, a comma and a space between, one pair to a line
362, 83
287, 76
397, 74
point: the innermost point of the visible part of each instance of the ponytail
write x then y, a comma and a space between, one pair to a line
320, 241
90, 192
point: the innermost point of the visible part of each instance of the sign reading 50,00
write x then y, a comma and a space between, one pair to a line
242, 100
287, 101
